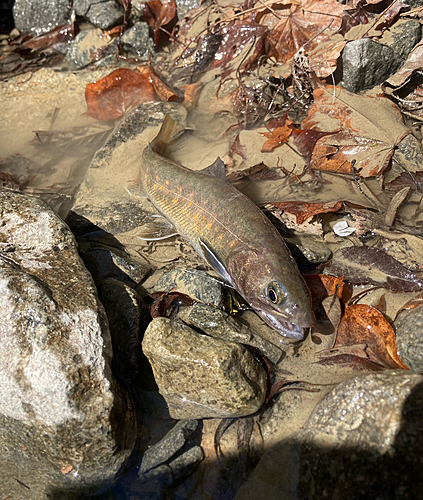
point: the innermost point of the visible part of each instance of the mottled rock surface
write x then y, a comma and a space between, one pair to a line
202, 377
137, 42
83, 49
59, 405
409, 330
197, 284
363, 440
40, 15
367, 63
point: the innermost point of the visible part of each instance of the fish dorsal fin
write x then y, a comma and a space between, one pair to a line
216, 169
214, 261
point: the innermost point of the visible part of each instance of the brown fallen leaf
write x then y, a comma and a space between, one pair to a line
354, 357
162, 89
322, 286
304, 210
163, 300
255, 173
118, 93
360, 265
236, 35
363, 324
158, 14
324, 58
192, 93
276, 137
303, 23
370, 127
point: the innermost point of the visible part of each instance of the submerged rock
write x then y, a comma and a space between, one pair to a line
202, 377
197, 284
367, 63
64, 422
84, 48
220, 325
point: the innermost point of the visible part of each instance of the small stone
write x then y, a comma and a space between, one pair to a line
40, 16
220, 325
409, 330
137, 42
83, 48
197, 284
202, 377
183, 6
173, 441
106, 14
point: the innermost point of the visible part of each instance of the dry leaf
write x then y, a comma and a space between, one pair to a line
361, 265
116, 94
162, 89
303, 23
303, 210
370, 128
276, 137
363, 324
158, 14
192, 93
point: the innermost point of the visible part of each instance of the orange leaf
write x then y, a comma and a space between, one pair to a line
363, 324
276, 137
303, 210
323, 285
162, 89
192, 93
116, 94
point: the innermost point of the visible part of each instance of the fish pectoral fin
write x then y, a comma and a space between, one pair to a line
157, 228
216, 169
135, 189
214, 261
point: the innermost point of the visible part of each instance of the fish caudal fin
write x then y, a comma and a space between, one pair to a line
169, 133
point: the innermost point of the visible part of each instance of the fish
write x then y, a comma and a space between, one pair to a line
229, 231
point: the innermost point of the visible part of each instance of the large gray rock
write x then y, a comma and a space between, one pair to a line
409, 330
84, 48
363, 440
202, 377
40, 15
64, 422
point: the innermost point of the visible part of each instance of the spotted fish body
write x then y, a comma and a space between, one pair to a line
230, 232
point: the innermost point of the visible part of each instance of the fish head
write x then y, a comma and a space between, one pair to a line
275, 289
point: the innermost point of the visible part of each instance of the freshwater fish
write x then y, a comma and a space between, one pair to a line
230, 232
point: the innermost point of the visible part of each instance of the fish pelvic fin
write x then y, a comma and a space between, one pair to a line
210, 257
168, 134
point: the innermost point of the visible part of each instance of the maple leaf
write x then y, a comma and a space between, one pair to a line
301, 23
276, 137
364, 128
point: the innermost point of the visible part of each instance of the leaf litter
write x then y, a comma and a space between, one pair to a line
281, 60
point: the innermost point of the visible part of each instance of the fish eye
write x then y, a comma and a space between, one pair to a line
276, 292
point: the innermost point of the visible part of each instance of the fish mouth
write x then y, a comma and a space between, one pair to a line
284, 327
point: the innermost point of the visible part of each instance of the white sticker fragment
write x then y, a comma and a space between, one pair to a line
342, 228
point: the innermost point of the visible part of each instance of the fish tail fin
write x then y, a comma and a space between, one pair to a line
169, 133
